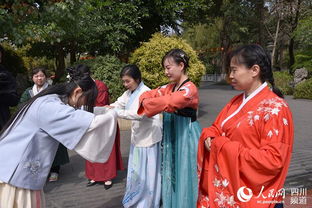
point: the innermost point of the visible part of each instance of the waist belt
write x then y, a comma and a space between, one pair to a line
187, 112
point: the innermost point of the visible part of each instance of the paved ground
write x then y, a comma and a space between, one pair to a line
71, 190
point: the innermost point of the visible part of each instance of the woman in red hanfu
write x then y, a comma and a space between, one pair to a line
104, 172
244, 156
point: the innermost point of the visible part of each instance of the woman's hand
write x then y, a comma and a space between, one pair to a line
208, 143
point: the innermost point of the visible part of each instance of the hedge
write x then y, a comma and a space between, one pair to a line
304, 90
283, 80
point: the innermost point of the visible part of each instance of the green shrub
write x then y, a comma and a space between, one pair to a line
282, 81
107, 69
149, 55
304, 90
303, 59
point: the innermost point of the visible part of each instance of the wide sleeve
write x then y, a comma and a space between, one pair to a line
170, 102
130, 114
121, 102
97, 143
258, 166
62, 122
213, 131
160, 91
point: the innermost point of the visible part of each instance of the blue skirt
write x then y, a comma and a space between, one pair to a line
179, 161
143, 179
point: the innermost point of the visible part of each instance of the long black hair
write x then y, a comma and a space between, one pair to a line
178, 56
250, 55
132, 71
77, 79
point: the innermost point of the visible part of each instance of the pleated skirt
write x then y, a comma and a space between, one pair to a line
179, 161
13, 197
143, 187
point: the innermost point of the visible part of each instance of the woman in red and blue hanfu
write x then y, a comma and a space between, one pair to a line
178, 101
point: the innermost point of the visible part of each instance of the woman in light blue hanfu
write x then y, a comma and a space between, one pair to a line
143, 179
30, 139
179, 102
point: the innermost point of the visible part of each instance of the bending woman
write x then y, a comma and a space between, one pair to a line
244, 156
39, 77
29, 141
179, 102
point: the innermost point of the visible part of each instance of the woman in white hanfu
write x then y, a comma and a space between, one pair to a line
143, 178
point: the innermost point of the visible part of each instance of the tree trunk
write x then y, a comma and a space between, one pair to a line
60, 64
291, 53
225, 44
259, 10
275, 41
72, 57
292, 40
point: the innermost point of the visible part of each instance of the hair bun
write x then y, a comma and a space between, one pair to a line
74, 74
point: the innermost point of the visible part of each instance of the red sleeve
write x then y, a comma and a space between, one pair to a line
203, 155
160, 91
103, 95
262, 165
171, 101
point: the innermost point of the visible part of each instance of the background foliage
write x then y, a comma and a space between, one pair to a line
304, 90
61, 31
107, 69
149, 55
283, 81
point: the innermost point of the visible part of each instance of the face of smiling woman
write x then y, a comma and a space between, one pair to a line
173, 70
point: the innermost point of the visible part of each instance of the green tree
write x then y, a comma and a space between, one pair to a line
56, 28
205, 39
303, 33
231, 23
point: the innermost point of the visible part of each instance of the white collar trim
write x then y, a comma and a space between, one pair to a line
245, 100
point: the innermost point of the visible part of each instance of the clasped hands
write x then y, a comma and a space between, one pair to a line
208, 141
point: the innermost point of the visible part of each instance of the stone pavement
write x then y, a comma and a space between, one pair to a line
71, 190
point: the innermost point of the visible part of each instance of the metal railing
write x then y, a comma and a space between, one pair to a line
213, 77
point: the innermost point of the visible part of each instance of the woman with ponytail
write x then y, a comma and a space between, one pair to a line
243, 158
29, 140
